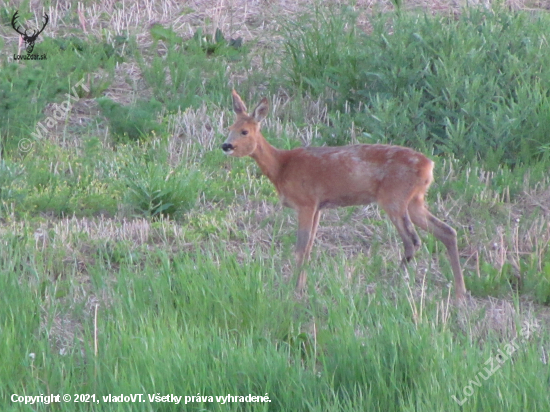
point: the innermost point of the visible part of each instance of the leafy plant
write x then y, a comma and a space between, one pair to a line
168, 35
153, 190
133, 122
217, 43
475, 86
493, 281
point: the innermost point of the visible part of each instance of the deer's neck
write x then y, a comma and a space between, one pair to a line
268, 159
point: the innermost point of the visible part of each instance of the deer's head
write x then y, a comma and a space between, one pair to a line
245, 132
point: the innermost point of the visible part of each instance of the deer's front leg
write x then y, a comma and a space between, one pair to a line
307, 225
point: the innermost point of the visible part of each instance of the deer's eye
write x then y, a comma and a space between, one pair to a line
244, 132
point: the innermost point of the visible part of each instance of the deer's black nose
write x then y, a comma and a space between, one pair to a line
226, 147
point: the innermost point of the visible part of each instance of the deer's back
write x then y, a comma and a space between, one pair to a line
350, 175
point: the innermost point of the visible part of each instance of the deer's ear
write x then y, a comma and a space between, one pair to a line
260, 112
238, 106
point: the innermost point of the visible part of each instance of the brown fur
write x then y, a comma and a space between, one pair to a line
311, 179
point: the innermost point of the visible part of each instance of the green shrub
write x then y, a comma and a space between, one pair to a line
474, 85
133, 122
153, 190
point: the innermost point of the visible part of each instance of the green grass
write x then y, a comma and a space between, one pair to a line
25, 89
475, 85
135, 258
191, 72
201, 322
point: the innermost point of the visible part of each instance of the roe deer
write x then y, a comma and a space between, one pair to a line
314, 178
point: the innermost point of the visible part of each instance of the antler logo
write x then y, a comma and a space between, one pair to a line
29, 39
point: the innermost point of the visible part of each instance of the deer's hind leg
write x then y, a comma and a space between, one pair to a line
399, 215
422, 218
408, 234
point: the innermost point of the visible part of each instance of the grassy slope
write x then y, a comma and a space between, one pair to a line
104, 303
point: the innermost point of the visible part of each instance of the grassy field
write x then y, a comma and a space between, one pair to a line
143, 270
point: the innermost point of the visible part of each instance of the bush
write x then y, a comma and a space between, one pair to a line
476, 85
153, 190
133, 122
